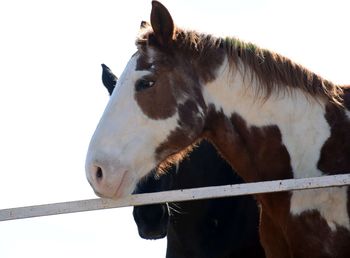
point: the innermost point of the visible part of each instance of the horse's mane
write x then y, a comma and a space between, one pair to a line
274, 72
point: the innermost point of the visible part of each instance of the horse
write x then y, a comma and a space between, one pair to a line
225, 227
269, 117
205, 228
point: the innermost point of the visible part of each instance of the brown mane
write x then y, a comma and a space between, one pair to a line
273, 71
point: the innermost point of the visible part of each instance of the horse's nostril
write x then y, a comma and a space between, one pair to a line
99, 174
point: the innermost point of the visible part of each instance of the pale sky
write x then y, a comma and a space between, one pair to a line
51, 98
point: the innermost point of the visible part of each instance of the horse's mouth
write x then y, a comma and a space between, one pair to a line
120, 192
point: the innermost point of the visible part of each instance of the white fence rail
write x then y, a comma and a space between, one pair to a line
175, 196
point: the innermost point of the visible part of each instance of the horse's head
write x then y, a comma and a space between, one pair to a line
152, 220
156, 111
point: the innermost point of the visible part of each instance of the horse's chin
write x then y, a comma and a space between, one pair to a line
152, 235
126, 187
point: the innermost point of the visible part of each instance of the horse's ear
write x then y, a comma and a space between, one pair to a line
144, 24
162, 24
108, 78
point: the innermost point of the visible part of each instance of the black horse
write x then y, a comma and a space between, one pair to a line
216, 228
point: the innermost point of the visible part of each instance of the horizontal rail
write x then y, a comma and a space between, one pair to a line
175, 196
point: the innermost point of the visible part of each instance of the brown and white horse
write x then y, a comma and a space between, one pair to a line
269, 117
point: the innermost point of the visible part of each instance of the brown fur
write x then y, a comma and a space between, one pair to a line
258, 154
332, 159
156, 95
202, 56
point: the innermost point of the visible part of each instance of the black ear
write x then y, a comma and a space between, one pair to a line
108, 78
162, 24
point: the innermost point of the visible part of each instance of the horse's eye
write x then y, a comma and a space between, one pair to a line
143, 84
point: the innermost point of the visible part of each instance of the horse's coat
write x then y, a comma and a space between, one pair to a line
297, 117
269, 118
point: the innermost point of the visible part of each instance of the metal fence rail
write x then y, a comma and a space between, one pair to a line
175, 196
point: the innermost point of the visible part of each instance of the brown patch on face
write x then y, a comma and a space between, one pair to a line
184, 136
175, 81
335, 153
158, 101
178, 77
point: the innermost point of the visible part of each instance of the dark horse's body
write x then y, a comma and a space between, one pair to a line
214, 228
217, 228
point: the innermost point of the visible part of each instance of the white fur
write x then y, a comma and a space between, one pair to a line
125, 140
329, 202
304, 130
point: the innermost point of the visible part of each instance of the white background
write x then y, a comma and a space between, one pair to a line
51, 98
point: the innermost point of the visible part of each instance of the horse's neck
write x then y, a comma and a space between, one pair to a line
233, 91
246, 124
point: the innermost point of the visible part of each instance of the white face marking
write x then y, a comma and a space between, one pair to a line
304, 130
125, 140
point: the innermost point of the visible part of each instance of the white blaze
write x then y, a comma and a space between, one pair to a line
125, 140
